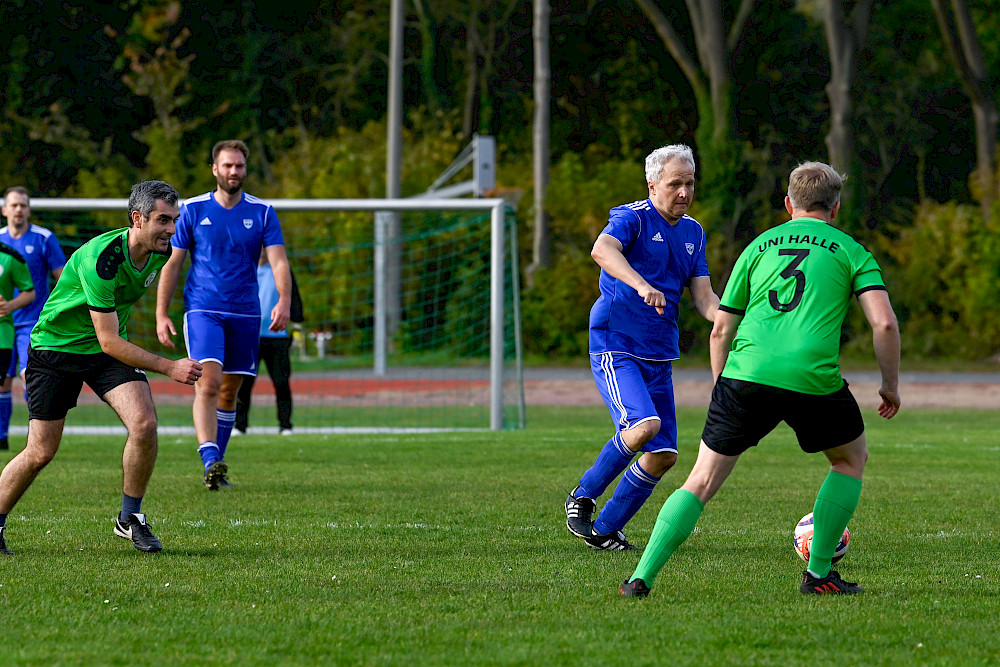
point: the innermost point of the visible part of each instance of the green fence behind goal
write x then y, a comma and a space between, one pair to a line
437, 360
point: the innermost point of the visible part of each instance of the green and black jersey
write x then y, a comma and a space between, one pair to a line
14, 273
793, 286
98, 276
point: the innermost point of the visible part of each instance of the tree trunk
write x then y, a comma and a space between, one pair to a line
541, 246
845, 37
966, 54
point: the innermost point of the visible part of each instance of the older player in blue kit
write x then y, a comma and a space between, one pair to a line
648, 253
224, 231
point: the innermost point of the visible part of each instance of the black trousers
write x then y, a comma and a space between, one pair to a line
273, 354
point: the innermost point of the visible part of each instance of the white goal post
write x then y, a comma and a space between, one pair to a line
496, 208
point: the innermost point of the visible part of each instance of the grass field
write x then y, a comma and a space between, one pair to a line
450, 549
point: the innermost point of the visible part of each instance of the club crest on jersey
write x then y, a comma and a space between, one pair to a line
247, 222
689, 247
29, 249
150, 278
658, 237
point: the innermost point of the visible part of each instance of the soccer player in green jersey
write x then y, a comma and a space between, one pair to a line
775, 350
14, 275
80, 337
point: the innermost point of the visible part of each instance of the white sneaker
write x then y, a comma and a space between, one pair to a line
285, 431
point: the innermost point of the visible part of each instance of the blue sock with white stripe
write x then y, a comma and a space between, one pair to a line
614, 458
226, 420
209, 452
632, 491
6, 410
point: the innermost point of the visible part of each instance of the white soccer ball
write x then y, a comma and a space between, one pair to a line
804, 537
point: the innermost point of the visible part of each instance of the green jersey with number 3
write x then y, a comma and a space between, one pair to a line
98, 276
793, 286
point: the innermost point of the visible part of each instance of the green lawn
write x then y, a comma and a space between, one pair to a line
448, 549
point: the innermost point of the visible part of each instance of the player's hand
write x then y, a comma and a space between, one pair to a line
890, 402
653, 297
164, 330
280, 316
185, 371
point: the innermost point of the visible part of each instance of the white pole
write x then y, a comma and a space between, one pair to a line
496, 316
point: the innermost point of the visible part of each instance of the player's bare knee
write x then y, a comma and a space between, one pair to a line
637, 436
658, 463
142, 428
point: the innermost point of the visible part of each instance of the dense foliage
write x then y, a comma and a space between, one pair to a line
98, 95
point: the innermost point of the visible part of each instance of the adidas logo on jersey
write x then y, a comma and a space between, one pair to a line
658, 237
205, 221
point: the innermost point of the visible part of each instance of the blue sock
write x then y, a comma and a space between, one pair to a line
614, 458
632, 491
226, 420
130, 505
6, 410
209, 453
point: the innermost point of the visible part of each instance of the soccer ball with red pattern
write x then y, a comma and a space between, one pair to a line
804, 538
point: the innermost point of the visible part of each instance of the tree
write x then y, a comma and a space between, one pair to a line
966, 54
845, 38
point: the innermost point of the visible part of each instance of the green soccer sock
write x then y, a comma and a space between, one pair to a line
674, 524
835, 504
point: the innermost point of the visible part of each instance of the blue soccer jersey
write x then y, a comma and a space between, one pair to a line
225, 245
42, 253
667, 257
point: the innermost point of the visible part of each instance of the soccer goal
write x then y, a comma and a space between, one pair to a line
413, 326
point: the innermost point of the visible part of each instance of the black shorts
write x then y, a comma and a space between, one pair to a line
5, 357
742, 413
54, 380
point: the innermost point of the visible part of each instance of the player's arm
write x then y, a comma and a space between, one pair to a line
607, 253
20, 301
885, 338
55, 273
720, 341
705, 298
186, 371
169, 274
278, 259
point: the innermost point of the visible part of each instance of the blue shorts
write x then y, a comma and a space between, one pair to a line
225, 338
636, 391
19, 353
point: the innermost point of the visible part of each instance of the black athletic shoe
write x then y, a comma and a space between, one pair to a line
215, 474
579, 515
224, 483
831, 584
612, 542
138, 531
3, 544
636, 588
4, 443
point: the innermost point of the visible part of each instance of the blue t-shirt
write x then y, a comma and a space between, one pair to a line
225, 245
268, 294
42, 253
667, 257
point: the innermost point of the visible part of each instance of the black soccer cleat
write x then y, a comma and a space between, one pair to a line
224, 483
611, 542
636, 588
4, 443
215, 474
579, 515
831, 584
3, 544
138, 531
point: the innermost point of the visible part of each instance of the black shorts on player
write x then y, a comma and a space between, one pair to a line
54, 380
742, 413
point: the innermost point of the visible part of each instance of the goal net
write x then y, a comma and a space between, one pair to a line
411, 323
